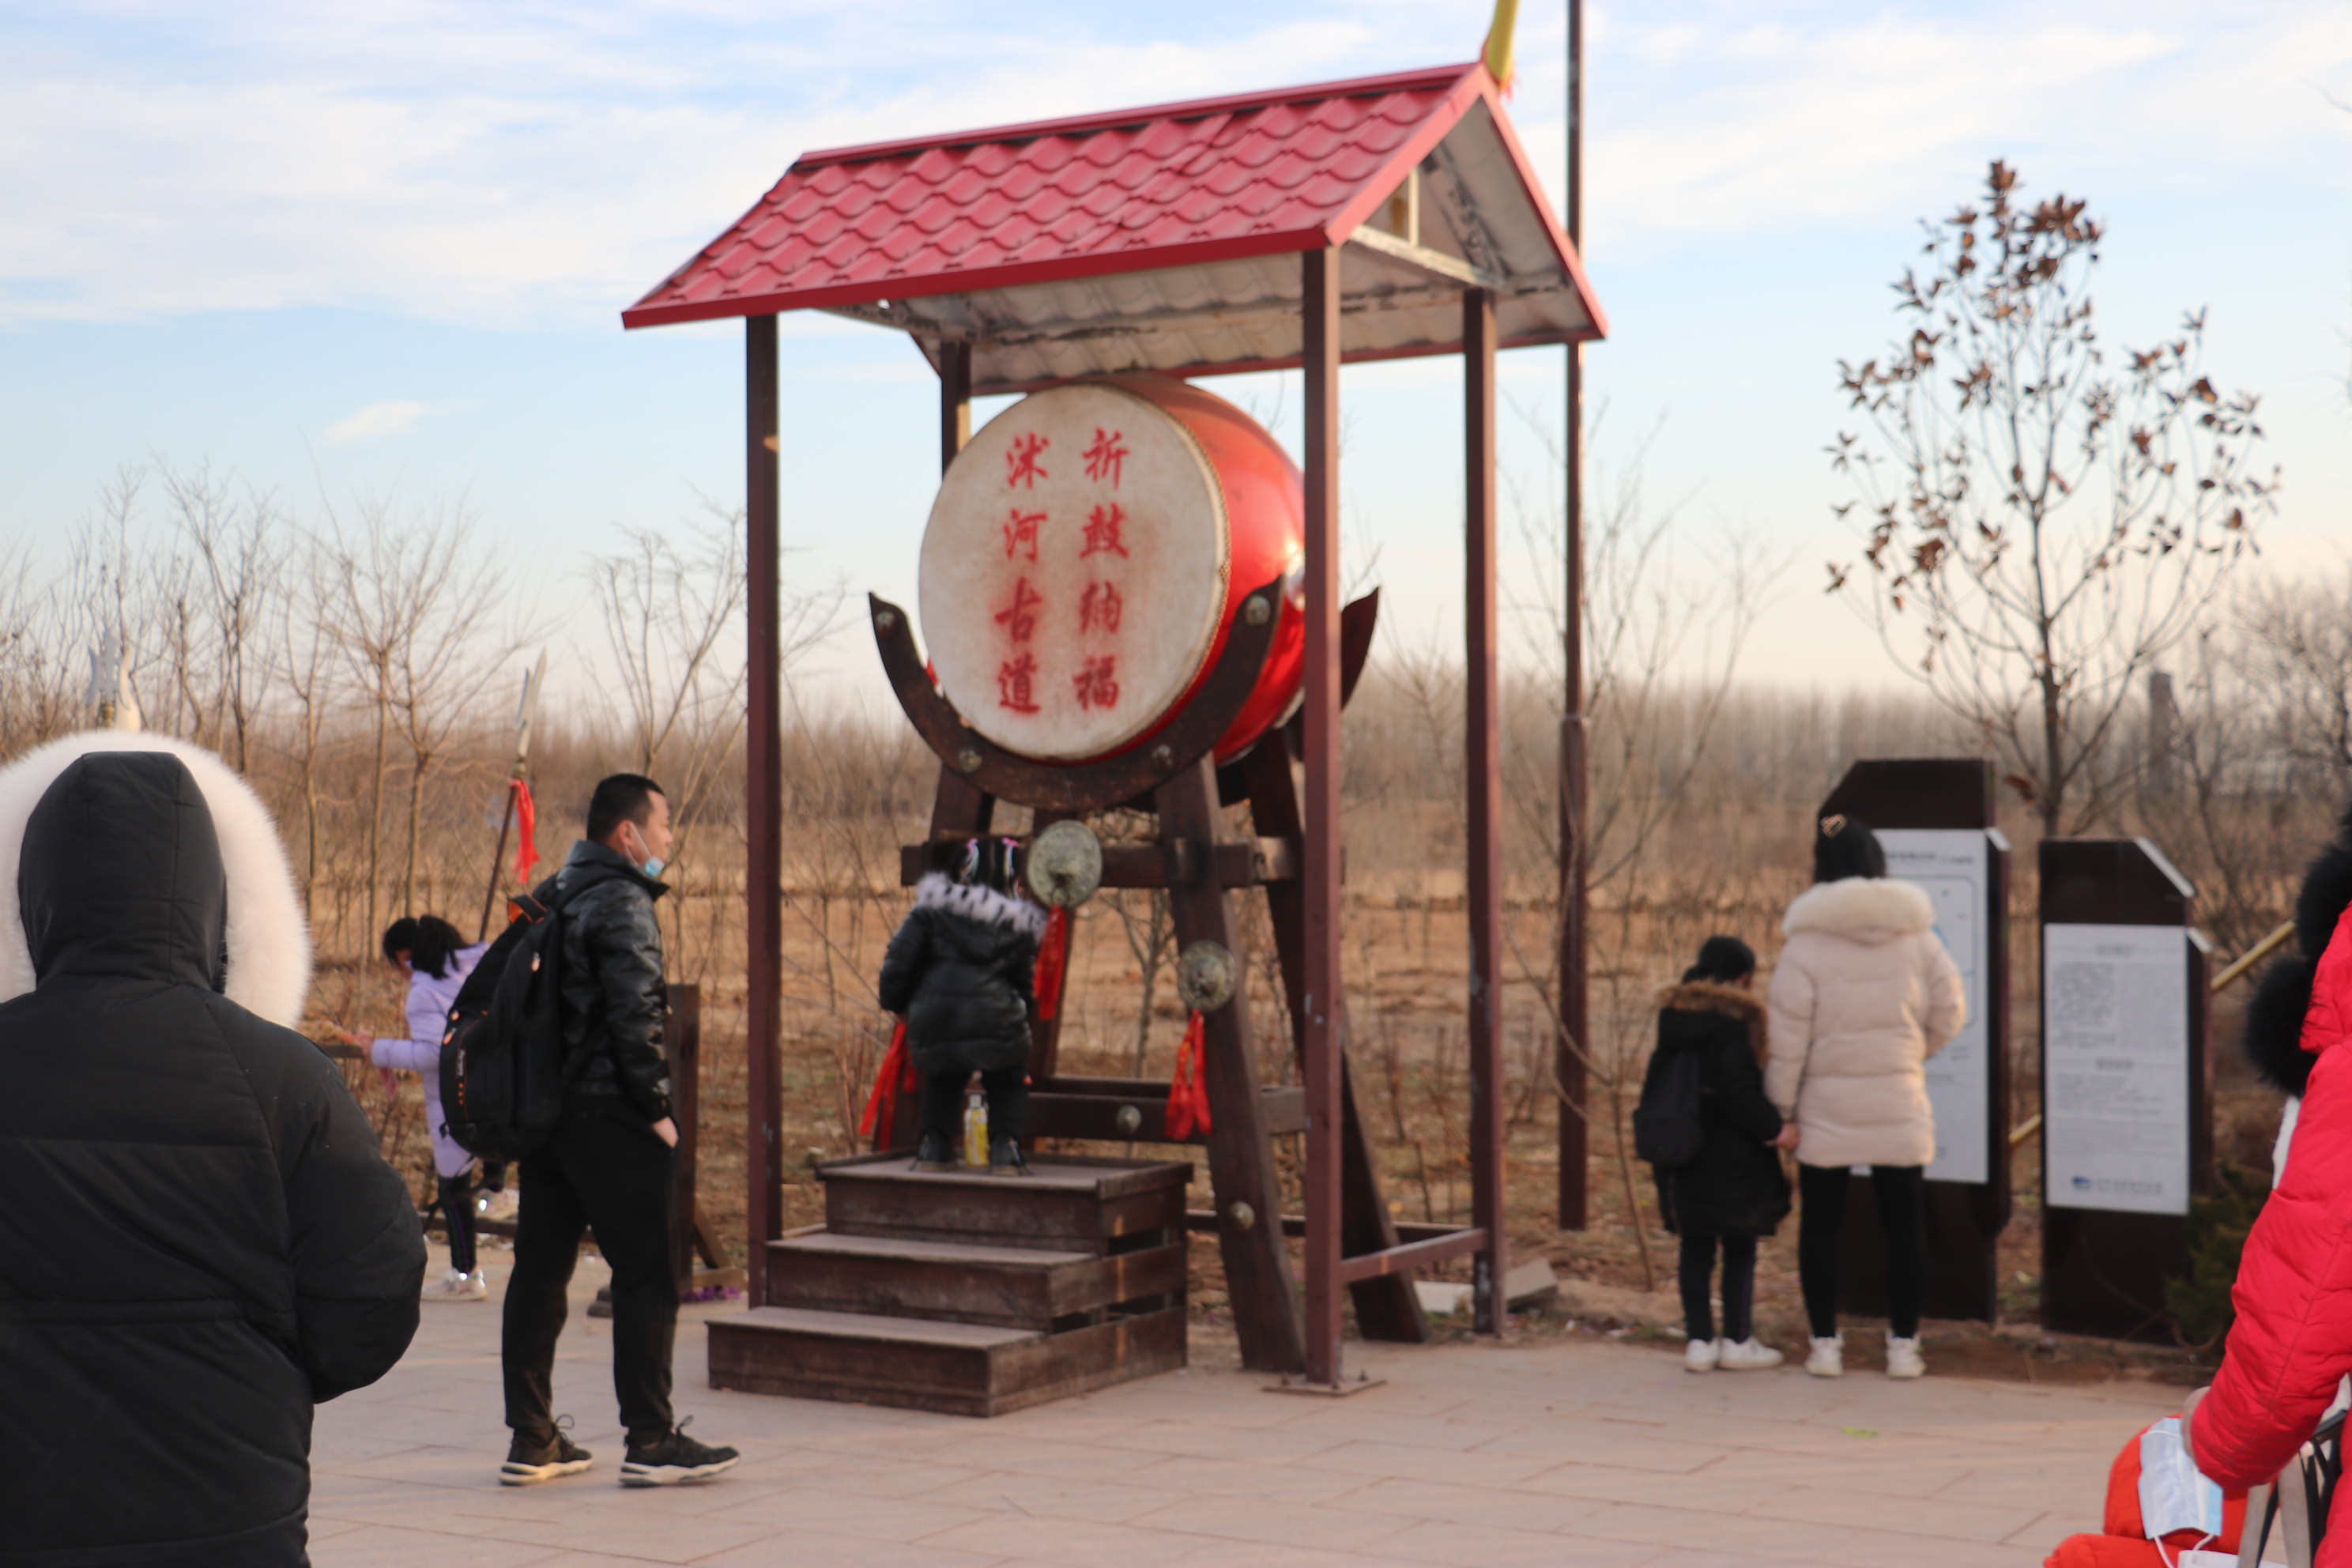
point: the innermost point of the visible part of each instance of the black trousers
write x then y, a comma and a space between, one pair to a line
604, 1168
455, 1196
1008, 1103
1901, 1191
1697, 1269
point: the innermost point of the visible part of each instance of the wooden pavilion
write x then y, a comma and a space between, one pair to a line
1380, 219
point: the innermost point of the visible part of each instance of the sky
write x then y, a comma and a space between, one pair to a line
349, 251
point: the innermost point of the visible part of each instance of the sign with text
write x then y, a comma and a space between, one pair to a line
1953, 867
2116, 1064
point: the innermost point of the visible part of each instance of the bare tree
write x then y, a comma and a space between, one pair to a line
225, 604
2048, 527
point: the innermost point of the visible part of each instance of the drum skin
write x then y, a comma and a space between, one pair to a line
1013, 565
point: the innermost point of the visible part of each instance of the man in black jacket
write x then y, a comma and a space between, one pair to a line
198, 1240
607, 1166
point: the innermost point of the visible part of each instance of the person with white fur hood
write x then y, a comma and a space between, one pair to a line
1863, 994
199, 1240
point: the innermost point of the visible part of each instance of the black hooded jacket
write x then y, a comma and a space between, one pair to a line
613, 999
198, 1239
1736, 1186
2274, 1032
962, 968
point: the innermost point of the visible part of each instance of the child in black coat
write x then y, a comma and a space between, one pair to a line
961, 970
1733, 1191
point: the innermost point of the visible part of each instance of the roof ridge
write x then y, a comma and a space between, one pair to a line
1112, 120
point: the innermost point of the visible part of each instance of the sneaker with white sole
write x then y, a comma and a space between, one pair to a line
456, 1286
1746, 1355
674, 1457
530, 1461
1700, 1356
1903, 1358
1828, 1357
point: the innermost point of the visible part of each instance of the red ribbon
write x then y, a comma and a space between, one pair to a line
1053, 963
526, 830
1188, 1092
896, 1078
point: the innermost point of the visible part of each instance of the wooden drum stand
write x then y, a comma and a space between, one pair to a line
1175, 775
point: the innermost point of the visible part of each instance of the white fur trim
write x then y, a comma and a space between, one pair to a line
937, 893
269, 940
1867, 909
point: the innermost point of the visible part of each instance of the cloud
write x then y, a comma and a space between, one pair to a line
375, 422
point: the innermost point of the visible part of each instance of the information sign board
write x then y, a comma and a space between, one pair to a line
1953, 867
2115, 1060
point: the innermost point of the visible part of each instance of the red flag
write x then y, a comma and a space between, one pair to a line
1188, 1092
1053, 963
526, 832
896, 1078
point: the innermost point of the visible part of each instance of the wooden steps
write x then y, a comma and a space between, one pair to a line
967, 1293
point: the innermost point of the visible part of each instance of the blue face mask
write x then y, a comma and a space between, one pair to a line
653, 868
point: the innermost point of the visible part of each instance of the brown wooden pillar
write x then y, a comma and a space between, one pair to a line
1567, 1055
1482, 746
763, 805
1319, 277
955, 400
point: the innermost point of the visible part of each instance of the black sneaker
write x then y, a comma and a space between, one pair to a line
530, 1462
674, 1457
1004, 1159
933, 1153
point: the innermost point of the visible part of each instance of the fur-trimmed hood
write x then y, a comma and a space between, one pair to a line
1872, 910
988, 906
1709, 997
267, 942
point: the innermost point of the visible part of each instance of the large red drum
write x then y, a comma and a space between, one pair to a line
1086, 558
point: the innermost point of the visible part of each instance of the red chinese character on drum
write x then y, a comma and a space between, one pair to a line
1100, 607
1067, 620
1022, 531
1105, 457
1015, 679
1097, 682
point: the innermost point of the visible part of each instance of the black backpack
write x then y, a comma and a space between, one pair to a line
502, 1061
1670, 1124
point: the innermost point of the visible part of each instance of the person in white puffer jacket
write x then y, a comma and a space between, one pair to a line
435, 960
1863, 994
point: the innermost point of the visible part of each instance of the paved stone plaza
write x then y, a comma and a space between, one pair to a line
1554, 1454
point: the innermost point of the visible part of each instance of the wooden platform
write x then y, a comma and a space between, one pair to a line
967, 1293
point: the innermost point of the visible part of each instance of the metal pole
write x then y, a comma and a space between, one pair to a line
1481, 737
763, 891
1319, 275
1569, 1059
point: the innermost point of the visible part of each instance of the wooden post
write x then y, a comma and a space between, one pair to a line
1241, 1151
763, 806
955, 400
1320, 278
1480, 738
682, 1036
1567, 1058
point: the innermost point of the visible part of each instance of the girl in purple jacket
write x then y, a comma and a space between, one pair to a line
434, 959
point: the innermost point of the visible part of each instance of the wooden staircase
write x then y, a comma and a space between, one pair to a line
967, 1293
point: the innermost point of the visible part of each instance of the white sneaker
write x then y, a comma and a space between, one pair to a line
1700, 1356
1903, 1358
456, 1286
1828, 1359
1746, 1355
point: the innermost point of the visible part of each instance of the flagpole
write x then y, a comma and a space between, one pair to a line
1570, 1052
524, 712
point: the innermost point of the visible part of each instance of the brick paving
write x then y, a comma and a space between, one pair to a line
1558, 1453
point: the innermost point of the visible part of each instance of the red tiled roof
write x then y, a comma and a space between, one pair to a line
1180, 185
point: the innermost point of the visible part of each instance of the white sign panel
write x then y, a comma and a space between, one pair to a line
1953, 866
2114, 1098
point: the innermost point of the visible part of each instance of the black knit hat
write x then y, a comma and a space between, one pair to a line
1722, 958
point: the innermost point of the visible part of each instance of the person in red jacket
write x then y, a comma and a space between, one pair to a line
2291, 1347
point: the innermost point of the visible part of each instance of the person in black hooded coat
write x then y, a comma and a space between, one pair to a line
198, 1240
961, 970
1734, 1192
